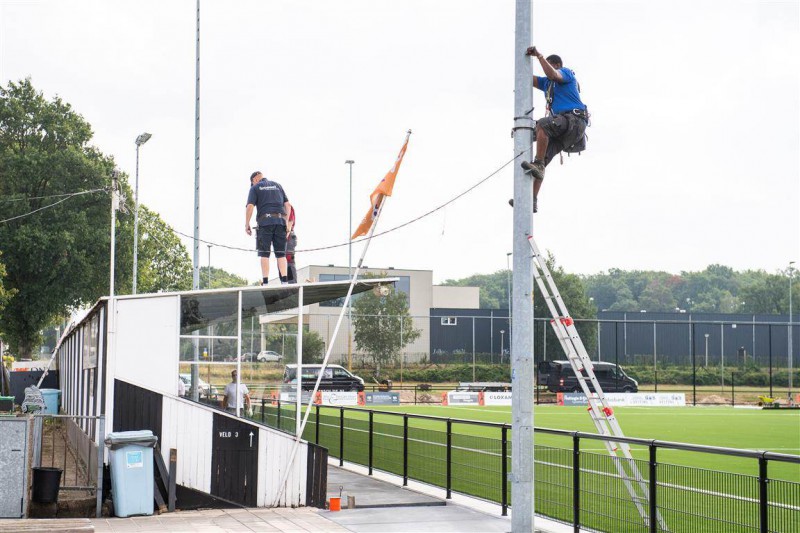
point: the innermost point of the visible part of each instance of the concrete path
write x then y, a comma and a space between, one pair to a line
282, 520
370, 492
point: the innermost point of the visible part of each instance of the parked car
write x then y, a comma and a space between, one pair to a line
335, 378
558, 376
206, 390
268, 356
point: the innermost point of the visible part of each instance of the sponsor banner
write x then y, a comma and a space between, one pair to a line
291, 396
461, 398
382, 398
496, 398
629, 399
338, 397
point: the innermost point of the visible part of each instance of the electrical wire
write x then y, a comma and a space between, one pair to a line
28, 198
48, 206
379, 234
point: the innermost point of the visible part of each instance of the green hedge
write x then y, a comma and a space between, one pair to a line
451, 373
751, 376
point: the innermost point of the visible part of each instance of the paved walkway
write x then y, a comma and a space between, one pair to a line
381, 507
282, 520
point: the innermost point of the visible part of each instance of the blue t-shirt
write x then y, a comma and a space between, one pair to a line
565, 95
268, 197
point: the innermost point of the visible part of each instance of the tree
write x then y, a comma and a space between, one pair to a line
220, 279
56, 258
5, 294
282, 338
164, 263
572, 291
493, 288
382, 324
56, 219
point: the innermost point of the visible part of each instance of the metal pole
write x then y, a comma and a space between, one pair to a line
722, 357
473, 348
114, 207
209, 265
706, 336
136, 223
350, 273
655, 357
196, 256
791, 278
508, 282
299, 342
522, 355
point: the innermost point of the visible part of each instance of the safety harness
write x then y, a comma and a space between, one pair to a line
580, 145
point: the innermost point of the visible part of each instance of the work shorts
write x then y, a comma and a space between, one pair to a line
564, 131
272, 236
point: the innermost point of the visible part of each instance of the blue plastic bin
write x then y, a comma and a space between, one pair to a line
131, 461
52, 399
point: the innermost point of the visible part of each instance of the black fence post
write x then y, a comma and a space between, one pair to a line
341, 436
279, 414
405, 450
652, 502
504, 470
415, 394
449, 458
733, 388
316, 424
763, 503
263, 406
576, 483
371, 433
694, 370
769, 329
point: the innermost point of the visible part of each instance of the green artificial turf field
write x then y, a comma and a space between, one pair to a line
697, 490
751, 429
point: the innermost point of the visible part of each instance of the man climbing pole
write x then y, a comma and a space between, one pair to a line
564, 125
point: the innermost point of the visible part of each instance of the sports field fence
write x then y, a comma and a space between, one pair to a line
576, 479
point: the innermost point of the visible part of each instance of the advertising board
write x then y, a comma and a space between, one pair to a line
382, 398
627, 399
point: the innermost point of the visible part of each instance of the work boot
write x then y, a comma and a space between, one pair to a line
535, 210
535, 169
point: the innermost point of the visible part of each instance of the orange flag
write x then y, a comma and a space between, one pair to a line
384, 188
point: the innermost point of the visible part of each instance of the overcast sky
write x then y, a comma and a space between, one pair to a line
694, 148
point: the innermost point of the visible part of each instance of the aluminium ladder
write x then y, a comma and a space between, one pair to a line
599, 409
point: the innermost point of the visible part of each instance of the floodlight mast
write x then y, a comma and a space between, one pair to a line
522, 283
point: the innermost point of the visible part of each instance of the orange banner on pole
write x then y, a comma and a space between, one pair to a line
383, 189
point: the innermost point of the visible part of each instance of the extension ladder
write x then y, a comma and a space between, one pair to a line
599, 409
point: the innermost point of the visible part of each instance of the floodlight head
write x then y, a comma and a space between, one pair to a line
143, 138
349, 162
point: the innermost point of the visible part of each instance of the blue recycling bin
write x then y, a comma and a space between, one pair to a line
51, 399
131, 461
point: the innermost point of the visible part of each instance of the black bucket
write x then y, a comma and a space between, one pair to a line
46, 483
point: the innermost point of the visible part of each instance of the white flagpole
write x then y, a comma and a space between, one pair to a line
299, 433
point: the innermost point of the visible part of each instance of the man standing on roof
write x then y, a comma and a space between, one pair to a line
271, 205
563, 128
291, 245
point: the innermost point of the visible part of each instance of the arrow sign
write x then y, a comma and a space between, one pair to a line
251, 439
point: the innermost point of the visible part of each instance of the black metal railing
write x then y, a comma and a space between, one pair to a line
576, 479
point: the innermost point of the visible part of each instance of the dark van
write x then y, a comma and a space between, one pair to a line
558, 376
334, 378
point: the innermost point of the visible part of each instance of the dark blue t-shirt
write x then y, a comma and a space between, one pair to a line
268, 197
565, 95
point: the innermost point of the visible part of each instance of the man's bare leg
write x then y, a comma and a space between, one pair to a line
542, 140
264, 267
282, 266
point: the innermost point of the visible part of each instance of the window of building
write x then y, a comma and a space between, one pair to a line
449, 321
